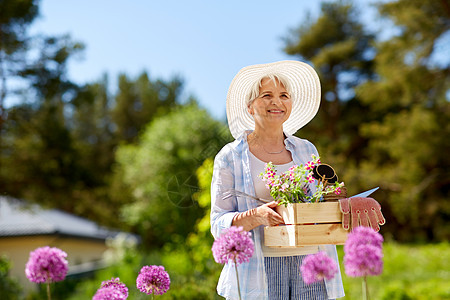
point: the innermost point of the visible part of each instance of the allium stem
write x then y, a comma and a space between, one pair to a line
49, 297
365, 289
237, 278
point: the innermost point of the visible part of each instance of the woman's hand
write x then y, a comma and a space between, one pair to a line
262, 215
266, 215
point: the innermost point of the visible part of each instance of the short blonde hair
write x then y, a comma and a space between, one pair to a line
254, 91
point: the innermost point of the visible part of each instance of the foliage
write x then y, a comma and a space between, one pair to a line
159, 171
9, 287
141, 100
410, 95
15, 16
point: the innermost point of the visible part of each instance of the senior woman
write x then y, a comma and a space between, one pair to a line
266, 104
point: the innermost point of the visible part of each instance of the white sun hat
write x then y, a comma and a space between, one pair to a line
305, 94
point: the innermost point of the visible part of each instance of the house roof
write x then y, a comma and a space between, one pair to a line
19, 218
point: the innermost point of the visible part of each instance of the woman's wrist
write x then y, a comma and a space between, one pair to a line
247, 219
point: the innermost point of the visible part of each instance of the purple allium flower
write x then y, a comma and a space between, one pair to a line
362, 235
116, 284
363, 252
318, 266
46, 265
153, 279
109, 293
235, 244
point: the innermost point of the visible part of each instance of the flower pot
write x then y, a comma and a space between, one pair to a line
307, 224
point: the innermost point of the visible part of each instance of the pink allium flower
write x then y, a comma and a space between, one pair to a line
365, 261
153, 279
47, 265
362, 235
109, 293
235, 245
116, 284
316, 267
363, 252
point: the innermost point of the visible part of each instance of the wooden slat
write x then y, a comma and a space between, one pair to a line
304, 213
304, 235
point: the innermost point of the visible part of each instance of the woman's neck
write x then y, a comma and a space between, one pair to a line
269, 146
266, 137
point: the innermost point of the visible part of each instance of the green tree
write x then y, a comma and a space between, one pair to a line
15, 16
406, 155
137, 102
160, 171
340, 49
40, 158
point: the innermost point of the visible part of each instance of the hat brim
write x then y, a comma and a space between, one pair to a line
305, 93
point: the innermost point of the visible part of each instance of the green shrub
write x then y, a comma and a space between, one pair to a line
9, 287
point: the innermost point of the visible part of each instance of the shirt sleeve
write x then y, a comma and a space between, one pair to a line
223, 209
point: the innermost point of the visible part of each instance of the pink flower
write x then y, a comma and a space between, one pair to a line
338, 191
108, 293
47, 265
362, 235
153, 279
363, 252
309, 165
235, 244
366, 260
116, 284
284, 186
316, 267
310, 178
292, 172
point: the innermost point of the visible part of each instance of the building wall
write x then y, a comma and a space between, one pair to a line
79, 251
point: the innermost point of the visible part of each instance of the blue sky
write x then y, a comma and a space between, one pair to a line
204, 42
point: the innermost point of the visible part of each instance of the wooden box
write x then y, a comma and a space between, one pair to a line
307, 224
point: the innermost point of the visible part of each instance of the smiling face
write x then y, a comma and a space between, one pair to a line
273, 105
